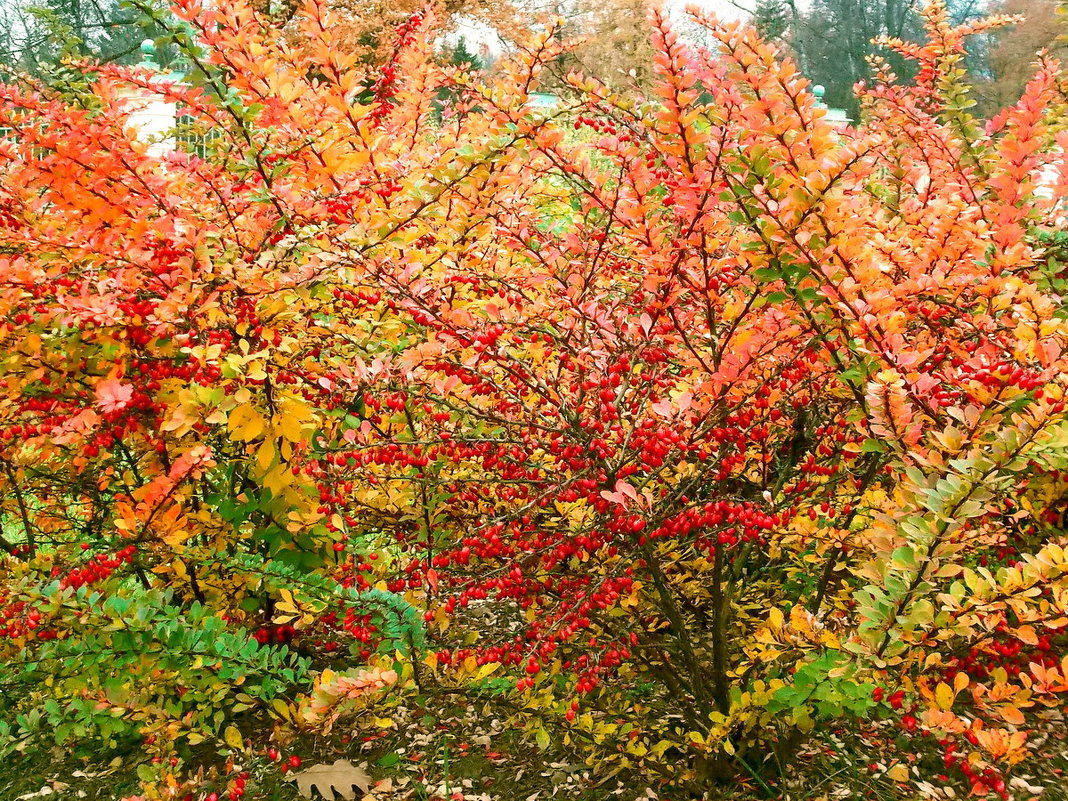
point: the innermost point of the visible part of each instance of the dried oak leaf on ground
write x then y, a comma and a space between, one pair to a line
329, 780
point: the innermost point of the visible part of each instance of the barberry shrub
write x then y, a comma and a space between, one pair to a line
698, 426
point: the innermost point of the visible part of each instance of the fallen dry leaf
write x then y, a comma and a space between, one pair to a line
339, 778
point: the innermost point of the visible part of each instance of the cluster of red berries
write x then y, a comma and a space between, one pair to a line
359, 298
7, 217
1011, 654
293, 762
97, 569
736, 522
16, 620
338, 210
537, 645
20, 619
164, 258
1003, 374
602, 125
276, 635
358, 625
895, 699
235, 793
386, 84
982, 781
398, 454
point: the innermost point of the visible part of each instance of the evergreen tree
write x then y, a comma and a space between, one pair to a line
460, 56
833, 40
38, 36
772, 18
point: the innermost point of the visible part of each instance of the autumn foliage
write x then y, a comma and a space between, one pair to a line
690, 430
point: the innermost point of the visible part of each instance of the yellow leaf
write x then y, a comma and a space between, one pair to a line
181, 417
282, 708
899, 773
265, 455
662, 746
233, 738
637, 749
288, 427
287, 604
944, 696
245, 423
277, 478
801, 621
352, 160
1012, 714
960, 681
1027, 635
776, 619
175, 537
298, 409
542, 738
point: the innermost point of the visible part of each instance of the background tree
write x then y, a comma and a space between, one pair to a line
832, 40
37, 36
368, 28
460, 55
1012, 52
772, 18
615, 46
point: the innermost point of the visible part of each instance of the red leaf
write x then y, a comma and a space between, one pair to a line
112, 395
